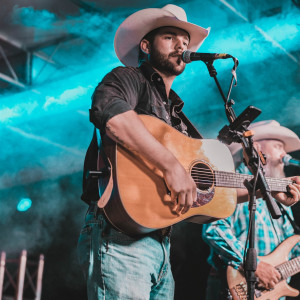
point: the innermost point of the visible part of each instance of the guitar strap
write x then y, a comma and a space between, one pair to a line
284, 213
190, 127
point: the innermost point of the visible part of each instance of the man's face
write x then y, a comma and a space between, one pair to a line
274, 151
166, 50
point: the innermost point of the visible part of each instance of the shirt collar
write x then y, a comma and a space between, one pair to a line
152, 76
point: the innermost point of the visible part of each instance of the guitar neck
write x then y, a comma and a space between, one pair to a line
235, 180
289, 268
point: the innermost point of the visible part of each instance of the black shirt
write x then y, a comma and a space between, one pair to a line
127, 88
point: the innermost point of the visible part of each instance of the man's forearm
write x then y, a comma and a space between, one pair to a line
128, 130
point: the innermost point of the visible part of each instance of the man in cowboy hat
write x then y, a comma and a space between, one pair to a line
227, 237
149, 43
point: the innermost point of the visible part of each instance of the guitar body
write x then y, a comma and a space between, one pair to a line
140, 202
237, 282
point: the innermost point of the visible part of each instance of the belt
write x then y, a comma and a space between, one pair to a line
96, 210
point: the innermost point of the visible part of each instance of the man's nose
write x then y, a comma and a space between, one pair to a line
283, 154
180, 44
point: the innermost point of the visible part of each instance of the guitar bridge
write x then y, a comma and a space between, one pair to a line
239, 292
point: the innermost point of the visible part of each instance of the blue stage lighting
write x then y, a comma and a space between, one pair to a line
24, 204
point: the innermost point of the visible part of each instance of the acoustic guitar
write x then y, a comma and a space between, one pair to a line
279, 259
140, 201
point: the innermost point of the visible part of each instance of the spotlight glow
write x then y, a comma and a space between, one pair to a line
24, 204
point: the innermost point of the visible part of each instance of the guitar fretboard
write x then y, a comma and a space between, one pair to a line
289, 268
235, 180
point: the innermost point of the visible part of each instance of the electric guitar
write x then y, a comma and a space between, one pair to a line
278, 258
140, 201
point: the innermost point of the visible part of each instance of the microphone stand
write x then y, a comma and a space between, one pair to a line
237, 131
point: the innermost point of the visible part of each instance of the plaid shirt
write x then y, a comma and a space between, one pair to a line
227, 237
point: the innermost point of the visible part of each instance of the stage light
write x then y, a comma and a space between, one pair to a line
24, 204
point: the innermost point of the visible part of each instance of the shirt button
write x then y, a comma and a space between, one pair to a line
167, 117
164, 102
158, 79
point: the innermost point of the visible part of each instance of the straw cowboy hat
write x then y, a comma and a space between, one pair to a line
270, 130
137, 25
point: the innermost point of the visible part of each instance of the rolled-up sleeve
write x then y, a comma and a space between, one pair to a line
223, 242
116, 94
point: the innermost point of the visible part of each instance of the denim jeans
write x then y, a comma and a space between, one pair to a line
117, 266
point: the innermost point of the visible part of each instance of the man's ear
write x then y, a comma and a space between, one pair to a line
145, 46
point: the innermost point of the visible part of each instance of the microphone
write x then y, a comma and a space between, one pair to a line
189, 56
288, 161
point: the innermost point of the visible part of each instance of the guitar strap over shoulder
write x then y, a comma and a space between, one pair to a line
190, 127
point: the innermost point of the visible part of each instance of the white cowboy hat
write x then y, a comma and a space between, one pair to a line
271, 130
137, 25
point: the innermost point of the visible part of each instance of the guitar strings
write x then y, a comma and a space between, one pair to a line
219, 175
207, 178
209, 183
204, 171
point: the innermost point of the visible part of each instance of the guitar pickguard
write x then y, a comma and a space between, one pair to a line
203, 198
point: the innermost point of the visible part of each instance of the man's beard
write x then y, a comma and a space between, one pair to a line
164, 65
274, 169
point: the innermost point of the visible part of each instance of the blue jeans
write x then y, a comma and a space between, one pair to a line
117, 266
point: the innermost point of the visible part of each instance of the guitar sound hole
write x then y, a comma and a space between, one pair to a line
203, 176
